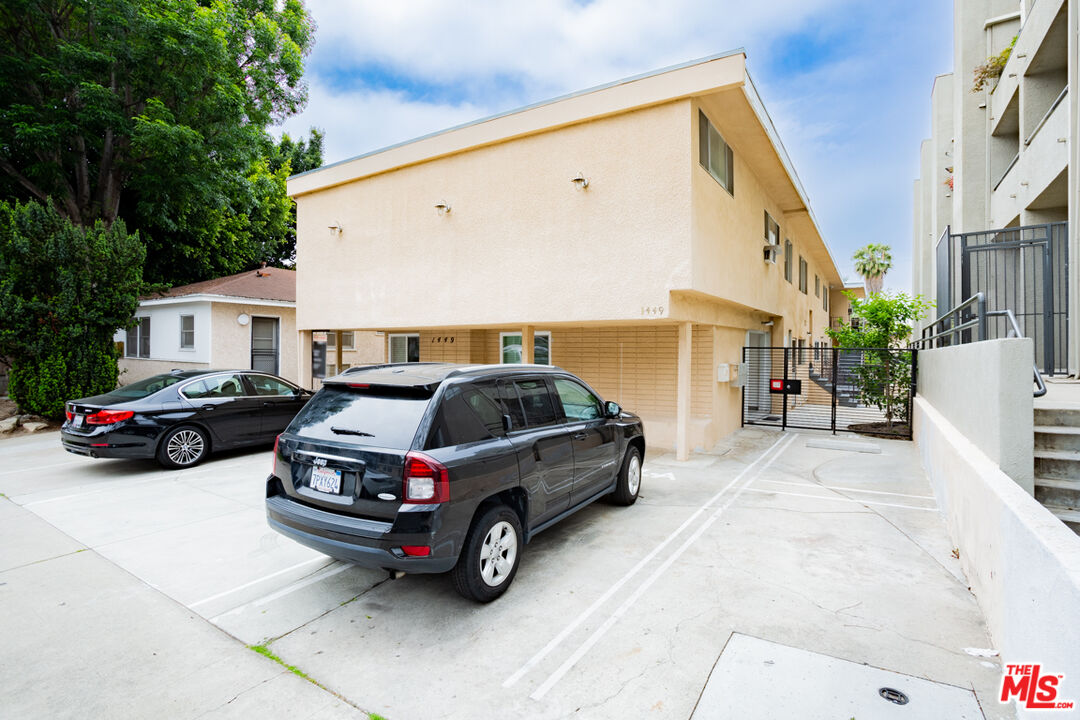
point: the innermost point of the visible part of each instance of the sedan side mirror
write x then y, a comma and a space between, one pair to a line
612, 409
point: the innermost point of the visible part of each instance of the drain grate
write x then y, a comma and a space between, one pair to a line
893, 695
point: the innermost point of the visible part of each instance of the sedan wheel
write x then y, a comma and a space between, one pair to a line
489, 560
183, 447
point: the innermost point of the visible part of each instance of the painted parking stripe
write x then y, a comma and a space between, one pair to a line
647, 583
835, 498
849, 489
328, 572
557, 640
226, 593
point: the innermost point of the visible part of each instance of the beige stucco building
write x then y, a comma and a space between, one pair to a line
638, 234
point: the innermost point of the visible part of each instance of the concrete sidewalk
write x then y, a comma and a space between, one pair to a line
133, 592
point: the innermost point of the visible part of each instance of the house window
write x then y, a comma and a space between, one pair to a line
138, 339
348, 340
802, 275
787, 260
772, 230
510, 347
817, 286
187, 332
404, 347
714, 154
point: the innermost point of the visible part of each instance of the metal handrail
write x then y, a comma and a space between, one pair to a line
1015, 332
933, 339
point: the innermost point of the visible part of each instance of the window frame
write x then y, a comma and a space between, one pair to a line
183, 332
769, 224
139, 330
706, 128
390, 346
512, 333
789, 250
803, 270
554, 385
817, 286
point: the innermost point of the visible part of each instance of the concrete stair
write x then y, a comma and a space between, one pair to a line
1057, 461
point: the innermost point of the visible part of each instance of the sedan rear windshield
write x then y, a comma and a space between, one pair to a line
383, 417
143, 388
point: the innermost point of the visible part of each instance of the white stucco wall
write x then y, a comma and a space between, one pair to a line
165, 331
985, 390
1022, 563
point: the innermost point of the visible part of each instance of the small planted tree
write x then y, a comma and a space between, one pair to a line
64, 290
883, 378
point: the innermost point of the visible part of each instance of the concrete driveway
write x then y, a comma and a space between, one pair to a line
129, 591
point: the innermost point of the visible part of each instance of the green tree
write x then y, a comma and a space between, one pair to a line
291, 157
155, 111
883, 376
871, 263
64, 290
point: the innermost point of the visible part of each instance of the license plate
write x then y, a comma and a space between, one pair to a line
326, 480
78, 421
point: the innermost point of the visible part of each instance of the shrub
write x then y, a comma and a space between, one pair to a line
64, 290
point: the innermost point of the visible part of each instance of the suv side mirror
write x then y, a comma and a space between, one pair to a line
612, 409
508, 423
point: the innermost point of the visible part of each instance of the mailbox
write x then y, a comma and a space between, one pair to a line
785, 387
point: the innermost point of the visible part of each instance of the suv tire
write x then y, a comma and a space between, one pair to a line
491, 555
629, 483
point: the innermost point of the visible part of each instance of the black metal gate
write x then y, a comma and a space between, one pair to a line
1024, 269
867, 390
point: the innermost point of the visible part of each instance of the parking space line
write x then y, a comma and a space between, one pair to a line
35, 468
557, 640
330, 571
843, 499
647, 583
851, 489
246, 585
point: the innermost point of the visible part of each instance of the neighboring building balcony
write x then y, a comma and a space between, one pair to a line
1036, 169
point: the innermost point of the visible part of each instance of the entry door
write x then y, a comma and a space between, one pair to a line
264, 344
760, 399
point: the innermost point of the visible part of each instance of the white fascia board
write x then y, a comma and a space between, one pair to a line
752, 97
205, 297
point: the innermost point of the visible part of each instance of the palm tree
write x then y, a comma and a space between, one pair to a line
872, 262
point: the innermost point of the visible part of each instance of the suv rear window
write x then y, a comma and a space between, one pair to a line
384, 417
465, 415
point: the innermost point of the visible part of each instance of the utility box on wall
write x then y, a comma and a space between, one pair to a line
731, 373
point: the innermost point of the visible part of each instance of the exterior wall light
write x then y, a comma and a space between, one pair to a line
243, 319
442, 208
580, 180
336, 229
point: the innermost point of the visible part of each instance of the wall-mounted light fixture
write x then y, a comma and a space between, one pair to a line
580, 180
442, 208
243, 319
336, 229
948, 169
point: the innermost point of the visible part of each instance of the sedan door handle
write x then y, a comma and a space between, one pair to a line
267, 403
581, 436
208, 407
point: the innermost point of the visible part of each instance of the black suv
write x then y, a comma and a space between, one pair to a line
432, 467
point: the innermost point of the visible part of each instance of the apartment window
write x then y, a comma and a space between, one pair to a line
404, 347
802, 275
817, 286
187, 332
772, 230
510, 347
714, 154
138, 339
787, 260
825, 299
348, 340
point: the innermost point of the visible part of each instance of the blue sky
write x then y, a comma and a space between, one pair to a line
847, 82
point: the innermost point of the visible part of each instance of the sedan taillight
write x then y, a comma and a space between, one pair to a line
108, 417
70, 415
426, 480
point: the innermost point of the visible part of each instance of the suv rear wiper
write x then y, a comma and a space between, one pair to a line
347, 431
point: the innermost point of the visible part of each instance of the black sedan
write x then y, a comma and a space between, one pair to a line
181, 417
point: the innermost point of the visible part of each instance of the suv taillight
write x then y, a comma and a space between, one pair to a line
273, 461
425, 480
108, 417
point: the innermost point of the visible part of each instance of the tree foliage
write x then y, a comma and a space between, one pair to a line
155, 111
872, 262
64, 290
291, 157
883, 377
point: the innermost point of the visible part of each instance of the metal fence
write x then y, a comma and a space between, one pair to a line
1023, 269
864, 390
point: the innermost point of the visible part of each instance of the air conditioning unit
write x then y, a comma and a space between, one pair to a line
772, 252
